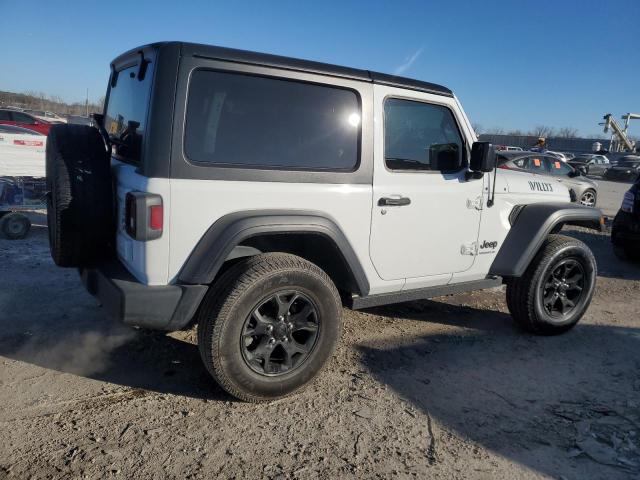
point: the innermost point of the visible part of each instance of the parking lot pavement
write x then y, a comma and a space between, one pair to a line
610, 195
447, 389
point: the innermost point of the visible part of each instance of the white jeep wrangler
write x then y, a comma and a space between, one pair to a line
256, 195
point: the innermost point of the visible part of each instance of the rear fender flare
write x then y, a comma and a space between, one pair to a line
219, 242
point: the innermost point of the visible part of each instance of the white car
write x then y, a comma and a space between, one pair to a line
21, 152
559, 155
47, 116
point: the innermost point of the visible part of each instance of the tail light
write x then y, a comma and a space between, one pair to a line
143, 215
627, 202
505, 166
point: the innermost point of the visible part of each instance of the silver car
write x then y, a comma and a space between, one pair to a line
584, 189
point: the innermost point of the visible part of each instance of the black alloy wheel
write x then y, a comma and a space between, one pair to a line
563, 288
280, 333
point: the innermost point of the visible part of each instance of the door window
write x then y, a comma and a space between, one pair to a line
4, 115
558, 167
536, 164
416, 133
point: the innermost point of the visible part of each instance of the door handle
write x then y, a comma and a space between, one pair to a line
393, 201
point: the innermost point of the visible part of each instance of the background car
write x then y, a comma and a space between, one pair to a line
22, 119
558, 155
16, 140
47, 116
625, 230
627, 169
585, 189
508, 148
590, 163
21, 152
13, 129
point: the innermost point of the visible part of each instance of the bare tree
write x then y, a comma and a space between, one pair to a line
542, 131
477, 128
516, 132
495, 131
568, 132
41, 101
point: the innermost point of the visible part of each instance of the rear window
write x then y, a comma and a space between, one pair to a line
126, 113
244, 120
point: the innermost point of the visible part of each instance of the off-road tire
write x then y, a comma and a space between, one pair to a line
231, 300
79, 196
14, 226
524, 294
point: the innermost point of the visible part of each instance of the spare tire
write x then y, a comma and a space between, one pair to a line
80, 196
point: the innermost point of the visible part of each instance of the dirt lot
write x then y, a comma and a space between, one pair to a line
441, 389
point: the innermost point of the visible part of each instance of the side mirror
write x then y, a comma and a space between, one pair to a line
483, 157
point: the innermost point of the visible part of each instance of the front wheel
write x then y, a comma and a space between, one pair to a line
268, 326
556, 289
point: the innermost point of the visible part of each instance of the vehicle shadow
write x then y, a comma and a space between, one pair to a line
609, 265
138, 359
529, 399
67, 331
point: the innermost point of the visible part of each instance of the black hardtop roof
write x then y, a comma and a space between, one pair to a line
268, 60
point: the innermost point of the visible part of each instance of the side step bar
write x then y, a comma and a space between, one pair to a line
358, 303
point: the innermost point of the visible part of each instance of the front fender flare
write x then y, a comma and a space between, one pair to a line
531, 227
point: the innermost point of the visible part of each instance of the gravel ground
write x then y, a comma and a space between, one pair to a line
447, 388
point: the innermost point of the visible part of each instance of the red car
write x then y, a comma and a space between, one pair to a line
21, 119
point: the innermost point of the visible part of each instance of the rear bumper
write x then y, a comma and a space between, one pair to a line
167, 307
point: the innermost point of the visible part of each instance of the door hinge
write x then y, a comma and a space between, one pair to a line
476, 203
469, 248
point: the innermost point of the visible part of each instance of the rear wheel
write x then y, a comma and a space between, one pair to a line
268, 326
15, 226
556, 289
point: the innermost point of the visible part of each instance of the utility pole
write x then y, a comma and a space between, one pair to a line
86, 103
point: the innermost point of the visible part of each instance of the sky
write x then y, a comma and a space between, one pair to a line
513, 64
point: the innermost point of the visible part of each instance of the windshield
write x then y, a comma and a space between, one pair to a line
126, 112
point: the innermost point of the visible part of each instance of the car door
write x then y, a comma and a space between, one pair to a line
22, 120
558, 169
603, 164
5, 117
425, 221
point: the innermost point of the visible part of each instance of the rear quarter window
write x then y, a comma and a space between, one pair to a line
251, 121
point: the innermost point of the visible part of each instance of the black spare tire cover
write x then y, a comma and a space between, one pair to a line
80, 197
